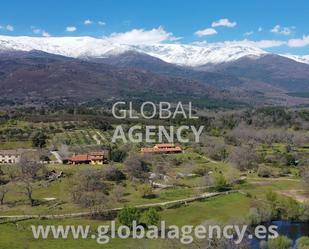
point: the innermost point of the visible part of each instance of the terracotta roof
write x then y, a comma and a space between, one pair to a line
164, 145
87, 157
97, 153
79, 158
162, 148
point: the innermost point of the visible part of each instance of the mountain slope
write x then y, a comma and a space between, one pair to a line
277, 71
137, 60
40, 75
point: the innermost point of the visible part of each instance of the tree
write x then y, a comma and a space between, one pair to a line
146, 191
244, 158
117, 193
265, 171
118, 155
39, 139
152, 217
127, 215
30, 169
305, 178
220, 182
100, 124
114, 174
281, 242
137, 167
217, 151
303, 242
28, 172
89, 190
3, 192
28, 190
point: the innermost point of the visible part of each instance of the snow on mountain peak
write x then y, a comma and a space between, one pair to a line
298, 58
80, 47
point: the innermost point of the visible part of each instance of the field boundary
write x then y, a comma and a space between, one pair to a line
13, 218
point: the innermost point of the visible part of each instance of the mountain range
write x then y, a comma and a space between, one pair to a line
84, 68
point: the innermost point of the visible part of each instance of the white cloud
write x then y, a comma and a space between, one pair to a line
101, 23
224, 23
45, 34
88, 22
204, 32
248, 33
141, 36
300, 42
281, 30
71, 29
260, 29
9, 28
38, 31
266, 43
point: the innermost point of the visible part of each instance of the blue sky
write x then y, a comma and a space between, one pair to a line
278, 26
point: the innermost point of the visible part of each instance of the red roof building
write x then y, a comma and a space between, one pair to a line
90, 158
163, 149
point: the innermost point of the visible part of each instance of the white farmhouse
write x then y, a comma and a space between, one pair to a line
10, 156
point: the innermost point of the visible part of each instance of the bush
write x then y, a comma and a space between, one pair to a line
201, 171
146, 191
118, 155
114, 174
303, 242
281, 242
39, 139
152, 217
244, 158
137, 167
264, 171
220, 182
127, 215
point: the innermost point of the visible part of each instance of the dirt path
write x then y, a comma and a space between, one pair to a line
272, 179
208, 159
298, 195
83, 214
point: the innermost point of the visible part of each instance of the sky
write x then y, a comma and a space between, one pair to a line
275, 26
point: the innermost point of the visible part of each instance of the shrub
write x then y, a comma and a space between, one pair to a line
152, 217
118, 155
127, 215
146, 191
303, 242
220, 182
264, 171
114, 174
281, 242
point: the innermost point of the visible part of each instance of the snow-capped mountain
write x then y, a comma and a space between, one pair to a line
86, 67
298, 58
81, 47
192, 55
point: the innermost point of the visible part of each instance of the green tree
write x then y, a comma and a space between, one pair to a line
281, 242
127, 215
146, 191
303, 242
220, 182
152, 217
118, 155
39, 139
